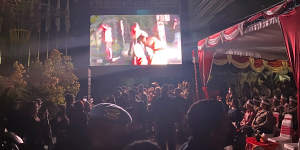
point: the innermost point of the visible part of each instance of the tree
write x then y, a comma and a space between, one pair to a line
16, 82
48, 80
57, 77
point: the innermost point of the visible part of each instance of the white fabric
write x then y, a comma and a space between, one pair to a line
290, 146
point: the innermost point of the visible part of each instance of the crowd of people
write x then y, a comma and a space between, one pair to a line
154, 117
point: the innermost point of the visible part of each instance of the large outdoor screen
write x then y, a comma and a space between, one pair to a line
135, 40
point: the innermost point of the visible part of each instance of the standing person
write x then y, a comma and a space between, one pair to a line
60, 127
70, 100
165, 116
106, 36
135, 33
209, 126
32, 126
108, 128
78, 125
139, 52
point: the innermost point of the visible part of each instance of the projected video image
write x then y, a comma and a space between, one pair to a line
135, 40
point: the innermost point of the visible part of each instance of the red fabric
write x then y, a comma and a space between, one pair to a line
276, 63
258, 63
213, 40
290, 24
201, 44
253, 18
286, 130
231, 29
252, 144
205, 58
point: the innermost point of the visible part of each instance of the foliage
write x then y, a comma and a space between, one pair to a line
16, 82
248, 82
48, 80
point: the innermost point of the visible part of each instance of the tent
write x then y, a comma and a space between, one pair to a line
270, 38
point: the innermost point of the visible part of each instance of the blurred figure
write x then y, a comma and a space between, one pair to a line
70, 100
60, 128
139, 52
78, 125
135, 33
108, 127
292, 109
264, 122
209, 126
249, 114
234, 113
32, 126
248, 119
275, 104
165, 114
106, 36
142, 145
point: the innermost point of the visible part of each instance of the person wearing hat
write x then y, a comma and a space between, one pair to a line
264, 121
108, 127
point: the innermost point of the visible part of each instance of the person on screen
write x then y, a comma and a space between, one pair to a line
139, 52
135, 32
106, 36
154, 51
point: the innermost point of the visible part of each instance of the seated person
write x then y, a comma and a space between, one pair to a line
275, 104
264, 121
292, 109
249, 114
209, 126
235, 114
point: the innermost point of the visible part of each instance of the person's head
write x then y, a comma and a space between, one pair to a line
157, 91
282, 100
69, 98
249, 105
219, 98
142, 145
78, 106
178, 92
207, 120
142, 39
165, 90
292, 101
265, 104
234, 103
256, 102
275, 101
108, 126
38, 102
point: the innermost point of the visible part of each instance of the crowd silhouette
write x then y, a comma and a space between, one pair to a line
148, 117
